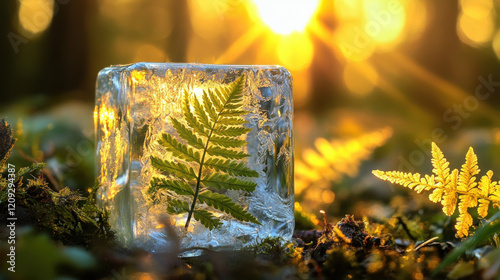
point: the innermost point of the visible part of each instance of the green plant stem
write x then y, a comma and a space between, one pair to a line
198, 180
486, 231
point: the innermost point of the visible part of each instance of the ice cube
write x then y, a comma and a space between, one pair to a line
135, 105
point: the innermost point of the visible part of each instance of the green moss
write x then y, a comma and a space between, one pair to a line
66, 215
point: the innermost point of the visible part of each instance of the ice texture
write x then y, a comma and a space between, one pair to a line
134, 104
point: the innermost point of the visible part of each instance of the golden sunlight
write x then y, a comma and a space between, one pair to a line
476, 22
295, 51
360, 77
286, 16
149, 52
496, 44
35, 15
475, 31
107, 117
368, 25
477, 8
384, 21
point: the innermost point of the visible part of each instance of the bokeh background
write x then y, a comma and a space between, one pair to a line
375, 82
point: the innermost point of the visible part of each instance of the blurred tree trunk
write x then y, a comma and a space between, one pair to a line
8, 52
68, 54
179, 38
48, 64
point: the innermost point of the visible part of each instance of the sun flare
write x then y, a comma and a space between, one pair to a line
286, 16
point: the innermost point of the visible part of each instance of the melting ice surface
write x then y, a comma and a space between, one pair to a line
134, 104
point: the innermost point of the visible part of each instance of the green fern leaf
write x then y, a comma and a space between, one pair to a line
226, 204
191, 119
209, 106
235, 95
227, 142
226, 153
231, 167
187, 134
210, 139
221, 93
178, 149
233, 107
176, 206
201, 114
224, 181
175, 168
206, 219
177, 186
232, 121
231, 131
233, 113
215, 100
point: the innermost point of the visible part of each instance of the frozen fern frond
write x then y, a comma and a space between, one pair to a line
206, 154
453, 189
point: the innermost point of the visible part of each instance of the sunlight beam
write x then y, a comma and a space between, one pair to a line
240, 45
450, 90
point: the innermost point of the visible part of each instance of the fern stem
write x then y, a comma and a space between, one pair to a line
475, 196
198, 179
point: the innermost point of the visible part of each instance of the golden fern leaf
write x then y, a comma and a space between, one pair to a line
466, 180
440, 165
488, 189
334, 158
408, 180
467, 184
329, 161
464, 220
452, 188
450, 196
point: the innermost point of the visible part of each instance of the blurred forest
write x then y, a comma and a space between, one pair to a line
375, 82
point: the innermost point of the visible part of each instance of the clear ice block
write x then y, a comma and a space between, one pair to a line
134, 106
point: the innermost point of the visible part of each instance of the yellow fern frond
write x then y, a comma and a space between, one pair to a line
458, 188
450, 197
466, 180
436, 195
488, 189
409, 180
464, 222
495, 196
330, 160
440, 165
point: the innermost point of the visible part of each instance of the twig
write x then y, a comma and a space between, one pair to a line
425, 243
407, 230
